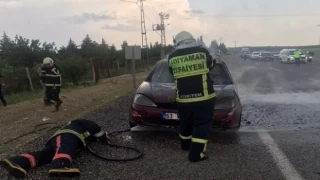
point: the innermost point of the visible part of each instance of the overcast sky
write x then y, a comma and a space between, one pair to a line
250, 22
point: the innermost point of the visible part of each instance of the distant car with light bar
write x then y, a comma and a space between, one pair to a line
154, 102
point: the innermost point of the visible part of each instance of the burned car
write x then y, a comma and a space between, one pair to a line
154, 102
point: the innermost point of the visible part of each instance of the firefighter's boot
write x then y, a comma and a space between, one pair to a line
47, 102
64, 172
197, 152
61, 168
57, 105
13, 168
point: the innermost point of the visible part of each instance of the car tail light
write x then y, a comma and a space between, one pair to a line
135, 113
226, 103
143, 100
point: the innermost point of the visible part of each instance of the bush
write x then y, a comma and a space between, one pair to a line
15, 78
74, 69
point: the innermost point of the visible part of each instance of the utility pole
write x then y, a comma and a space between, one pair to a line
144, 43
161, 27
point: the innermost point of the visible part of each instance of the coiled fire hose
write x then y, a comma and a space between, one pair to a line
139, 153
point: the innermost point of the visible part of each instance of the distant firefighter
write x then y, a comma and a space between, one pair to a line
51, 77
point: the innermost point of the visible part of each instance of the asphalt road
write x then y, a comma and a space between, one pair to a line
279, 138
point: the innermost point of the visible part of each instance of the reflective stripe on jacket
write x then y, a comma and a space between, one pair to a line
52, 75
87, 131
190, 67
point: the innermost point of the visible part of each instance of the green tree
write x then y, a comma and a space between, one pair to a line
6, 45
71, 47
74, 69
214, 47
104, 44
21, 54
223, 48
112, 55
87, 42
87, 47
35, 46
123, 45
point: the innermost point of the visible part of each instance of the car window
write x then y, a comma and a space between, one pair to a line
291, 52
219, 75
161, 74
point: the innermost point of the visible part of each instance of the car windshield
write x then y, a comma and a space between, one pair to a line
161, 74
291, 52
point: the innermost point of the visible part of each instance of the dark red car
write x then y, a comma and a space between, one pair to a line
154, 102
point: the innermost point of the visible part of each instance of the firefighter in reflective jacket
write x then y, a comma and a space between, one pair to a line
52, 80
190, 64
60, 150
297, 57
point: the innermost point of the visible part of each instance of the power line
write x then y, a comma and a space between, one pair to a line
153, 11
152, 23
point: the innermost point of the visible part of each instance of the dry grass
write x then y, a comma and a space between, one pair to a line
21, 118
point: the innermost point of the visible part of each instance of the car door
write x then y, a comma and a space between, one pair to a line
280, 55
284, 56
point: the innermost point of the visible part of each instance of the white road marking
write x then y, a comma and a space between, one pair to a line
291, 70
314, 79
275, 69
287, 169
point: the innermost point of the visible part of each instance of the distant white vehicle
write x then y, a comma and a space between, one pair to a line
255, 55
287, 56
244, 52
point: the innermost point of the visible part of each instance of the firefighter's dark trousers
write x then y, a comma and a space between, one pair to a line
60, 152
195, 124
52, 93
297, 61
4, 102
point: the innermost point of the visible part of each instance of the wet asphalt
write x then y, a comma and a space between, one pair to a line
279, 137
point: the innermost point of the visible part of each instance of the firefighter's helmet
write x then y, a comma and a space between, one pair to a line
47, 60
182, 36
